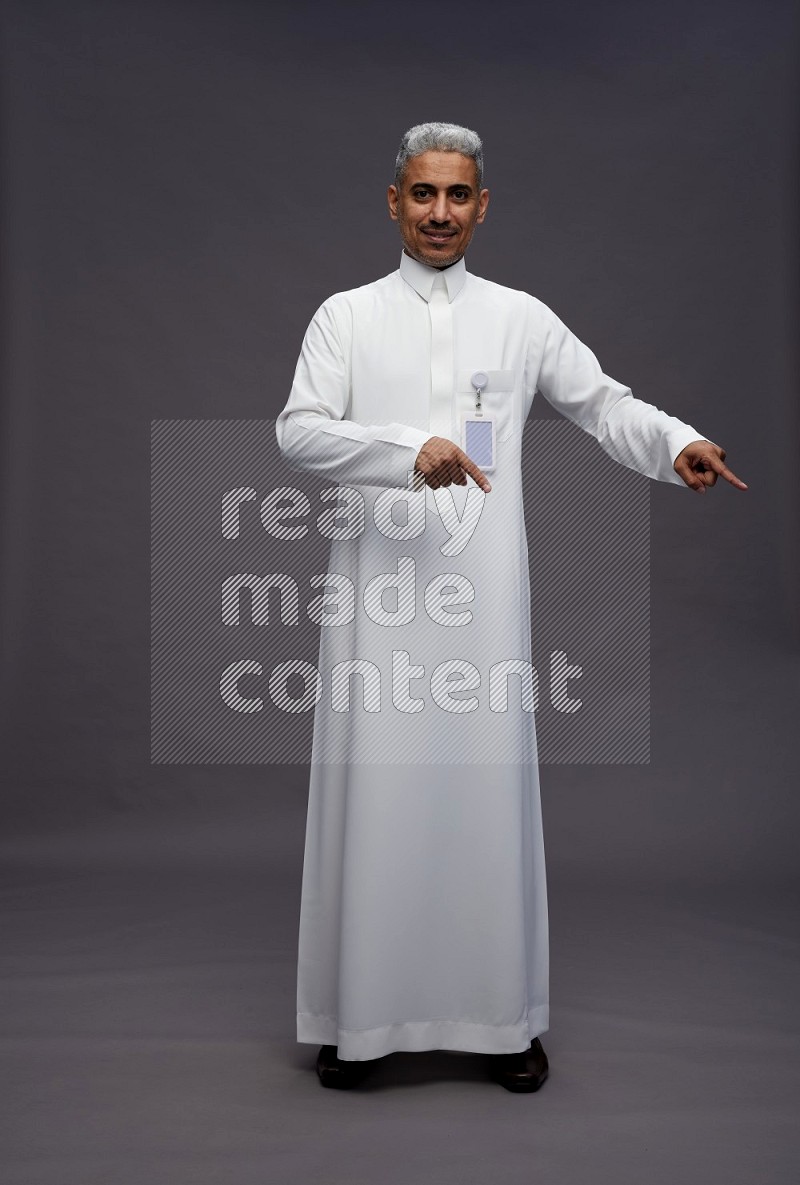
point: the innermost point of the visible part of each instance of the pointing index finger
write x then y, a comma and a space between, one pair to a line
725, 472
472, 469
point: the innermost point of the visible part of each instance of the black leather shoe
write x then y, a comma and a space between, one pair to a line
339, 1074
520, 1072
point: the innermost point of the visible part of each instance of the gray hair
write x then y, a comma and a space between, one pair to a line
438, 137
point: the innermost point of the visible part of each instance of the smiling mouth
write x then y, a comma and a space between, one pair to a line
439, 235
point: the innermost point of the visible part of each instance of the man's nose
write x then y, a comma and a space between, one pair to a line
440, 211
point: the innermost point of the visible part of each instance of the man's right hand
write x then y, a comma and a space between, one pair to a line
441, 462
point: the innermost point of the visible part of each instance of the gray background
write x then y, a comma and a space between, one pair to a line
183, 184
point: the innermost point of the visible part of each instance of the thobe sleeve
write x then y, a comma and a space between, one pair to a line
634, 433
313, 431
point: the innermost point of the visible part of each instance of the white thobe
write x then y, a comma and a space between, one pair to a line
423, 919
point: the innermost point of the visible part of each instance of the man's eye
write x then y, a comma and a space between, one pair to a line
420, 194
461, 194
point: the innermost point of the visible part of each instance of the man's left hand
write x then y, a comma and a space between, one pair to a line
700, 462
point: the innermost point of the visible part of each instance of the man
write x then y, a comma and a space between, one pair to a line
424, 914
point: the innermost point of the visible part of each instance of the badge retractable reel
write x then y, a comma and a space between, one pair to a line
478, 430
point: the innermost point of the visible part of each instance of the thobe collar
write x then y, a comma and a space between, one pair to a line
421, 277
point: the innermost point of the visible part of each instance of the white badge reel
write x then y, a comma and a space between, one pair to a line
477, 430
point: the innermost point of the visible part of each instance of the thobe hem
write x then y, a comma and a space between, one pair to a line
419, 1035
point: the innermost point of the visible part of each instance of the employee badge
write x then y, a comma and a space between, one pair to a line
478, 435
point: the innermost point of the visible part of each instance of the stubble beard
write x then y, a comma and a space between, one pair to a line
432, 258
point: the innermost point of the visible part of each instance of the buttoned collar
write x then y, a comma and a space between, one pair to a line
421, 277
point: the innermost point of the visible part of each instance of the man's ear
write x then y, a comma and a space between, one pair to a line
483, 202
392, 197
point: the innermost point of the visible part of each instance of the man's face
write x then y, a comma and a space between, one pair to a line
438, 206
